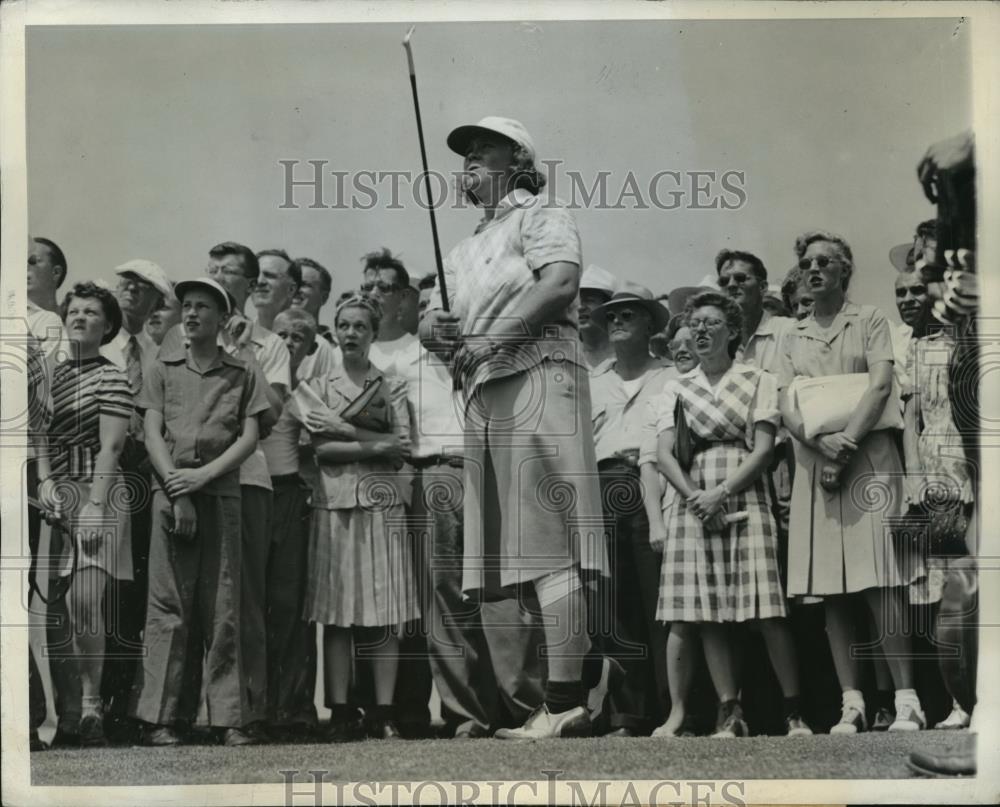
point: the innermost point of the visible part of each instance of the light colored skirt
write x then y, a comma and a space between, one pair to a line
361, 569
532, 493
114, 552
839, 541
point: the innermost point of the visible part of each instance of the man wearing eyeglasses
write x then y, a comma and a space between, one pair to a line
743, 276
141, 289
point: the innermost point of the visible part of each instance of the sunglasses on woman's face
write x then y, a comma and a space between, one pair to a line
822, 261
736, 277
916, 291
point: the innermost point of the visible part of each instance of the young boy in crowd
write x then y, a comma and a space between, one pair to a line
201, 409
291, 642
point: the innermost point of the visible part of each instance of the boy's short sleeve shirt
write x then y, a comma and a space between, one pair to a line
203, 413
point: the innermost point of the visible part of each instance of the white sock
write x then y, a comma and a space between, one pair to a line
91, 704
853, 697
907, 697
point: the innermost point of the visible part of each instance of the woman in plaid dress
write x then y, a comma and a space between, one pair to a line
720, 559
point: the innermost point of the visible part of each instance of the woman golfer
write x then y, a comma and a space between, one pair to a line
532, 498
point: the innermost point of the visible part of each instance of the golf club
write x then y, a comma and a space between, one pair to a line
427, 179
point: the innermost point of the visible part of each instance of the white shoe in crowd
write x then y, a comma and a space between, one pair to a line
543, 724
852, 720
909, 717
958, 719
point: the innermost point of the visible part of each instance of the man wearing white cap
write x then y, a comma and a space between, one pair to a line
512, 326
596, 288
141, 289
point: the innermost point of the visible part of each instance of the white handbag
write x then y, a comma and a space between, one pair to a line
825, 404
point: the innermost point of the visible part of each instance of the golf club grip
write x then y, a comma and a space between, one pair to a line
427, 187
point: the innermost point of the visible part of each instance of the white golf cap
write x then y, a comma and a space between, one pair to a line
148, 271
206, 284
598, 279
459, 139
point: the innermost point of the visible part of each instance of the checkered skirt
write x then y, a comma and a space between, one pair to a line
733, 575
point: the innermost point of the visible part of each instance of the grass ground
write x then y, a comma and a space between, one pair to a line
867, 756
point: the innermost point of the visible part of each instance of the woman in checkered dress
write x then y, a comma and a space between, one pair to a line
720, 559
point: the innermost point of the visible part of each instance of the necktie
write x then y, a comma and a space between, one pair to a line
133, 369
133, 364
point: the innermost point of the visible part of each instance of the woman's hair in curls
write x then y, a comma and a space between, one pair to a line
730, 309
846, 256
659, 343
109, 304
365, 302
526, 176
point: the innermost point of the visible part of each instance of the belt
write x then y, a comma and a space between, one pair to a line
618, 463
286, 479
437, 459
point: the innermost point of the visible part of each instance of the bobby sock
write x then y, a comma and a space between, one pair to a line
907, 697
91, 704
853, 697
561, 696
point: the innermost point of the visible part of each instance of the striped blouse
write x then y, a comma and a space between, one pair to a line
82, 391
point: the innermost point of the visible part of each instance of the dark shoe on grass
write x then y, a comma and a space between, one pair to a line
343, 731
92, 731
35, 742
162, 736
65, 739
623, 731
234, 738
731, 722
383, 729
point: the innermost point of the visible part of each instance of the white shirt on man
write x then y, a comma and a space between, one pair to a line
435, 408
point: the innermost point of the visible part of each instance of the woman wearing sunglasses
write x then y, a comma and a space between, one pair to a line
847, 482
720, 559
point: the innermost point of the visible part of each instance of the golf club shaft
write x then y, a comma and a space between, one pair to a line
427, 179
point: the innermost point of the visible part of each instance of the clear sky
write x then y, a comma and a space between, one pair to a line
158, 141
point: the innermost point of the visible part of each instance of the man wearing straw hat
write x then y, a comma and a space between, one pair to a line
533, 515
622, 389
596, 288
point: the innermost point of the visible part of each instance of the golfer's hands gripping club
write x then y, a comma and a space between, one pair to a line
440, 332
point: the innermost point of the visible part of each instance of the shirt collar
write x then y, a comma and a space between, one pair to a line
515, 200
848, 311
736, 368
338, 373
180, 355
766, 326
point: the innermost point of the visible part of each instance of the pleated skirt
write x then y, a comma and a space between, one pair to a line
361, 569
